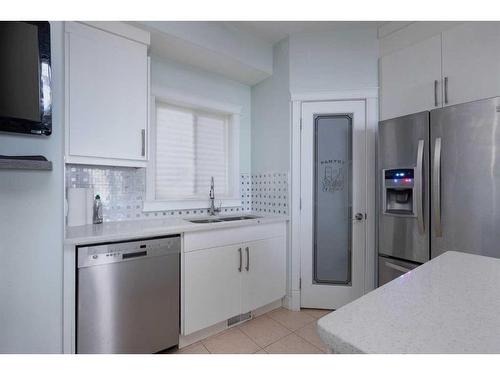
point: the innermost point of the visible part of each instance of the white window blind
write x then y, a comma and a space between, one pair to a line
191, 146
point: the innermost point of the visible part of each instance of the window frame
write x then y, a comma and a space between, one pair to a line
170, 97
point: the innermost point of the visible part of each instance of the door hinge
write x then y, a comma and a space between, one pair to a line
300, 283
301, 124
300, 204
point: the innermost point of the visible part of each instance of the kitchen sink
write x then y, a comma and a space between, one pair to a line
205, 221
222, 219
234, 218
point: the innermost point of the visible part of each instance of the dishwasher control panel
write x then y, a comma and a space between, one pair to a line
130, 250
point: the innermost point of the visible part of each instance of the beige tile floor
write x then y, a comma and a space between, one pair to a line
280, 331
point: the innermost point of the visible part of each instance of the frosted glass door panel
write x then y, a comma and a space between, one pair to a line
332, 199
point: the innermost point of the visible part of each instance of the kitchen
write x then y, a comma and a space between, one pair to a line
281, 187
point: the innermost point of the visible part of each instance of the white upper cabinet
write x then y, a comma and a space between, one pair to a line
463, 60
106, 97
410, 79
471, 62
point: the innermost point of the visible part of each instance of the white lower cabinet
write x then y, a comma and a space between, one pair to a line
212, 285
263, 277
224, 281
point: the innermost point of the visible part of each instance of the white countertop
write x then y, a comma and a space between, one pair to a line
132, 229
448, 305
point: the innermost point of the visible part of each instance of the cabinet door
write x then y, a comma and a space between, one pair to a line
107, 89
407, 79
264, 272
212, 287
471, 61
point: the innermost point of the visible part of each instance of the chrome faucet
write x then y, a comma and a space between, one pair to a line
212, 210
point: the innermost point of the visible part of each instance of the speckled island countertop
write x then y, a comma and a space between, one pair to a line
448, 305
134, 229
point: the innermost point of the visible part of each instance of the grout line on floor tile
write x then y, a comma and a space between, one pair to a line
281, 324
260, 347
317, 347
291, 333
209, 352
292, 330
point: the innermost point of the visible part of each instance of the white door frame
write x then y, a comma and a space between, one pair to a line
370, 97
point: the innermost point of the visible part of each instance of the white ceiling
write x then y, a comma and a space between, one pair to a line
274, 31
239, 50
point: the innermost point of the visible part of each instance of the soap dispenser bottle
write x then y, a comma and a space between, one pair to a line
97, 217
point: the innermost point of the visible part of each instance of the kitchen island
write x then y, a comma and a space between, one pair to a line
448, 305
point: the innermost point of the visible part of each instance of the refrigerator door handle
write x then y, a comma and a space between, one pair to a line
419, 186
445, 90
436, 188
435, 93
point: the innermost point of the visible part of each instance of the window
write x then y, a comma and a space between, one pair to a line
189, 146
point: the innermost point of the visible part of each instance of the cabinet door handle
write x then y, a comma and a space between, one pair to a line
241, 260
445, 90
435, 93
143, 142
248, 259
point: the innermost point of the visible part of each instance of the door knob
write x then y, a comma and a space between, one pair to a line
359, 216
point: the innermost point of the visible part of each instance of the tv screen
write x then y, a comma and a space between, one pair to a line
25, 75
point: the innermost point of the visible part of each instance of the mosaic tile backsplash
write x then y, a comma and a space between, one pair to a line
269, 193
122, 191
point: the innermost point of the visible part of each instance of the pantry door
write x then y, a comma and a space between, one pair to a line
333, 203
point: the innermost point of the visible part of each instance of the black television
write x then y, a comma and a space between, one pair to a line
25, 77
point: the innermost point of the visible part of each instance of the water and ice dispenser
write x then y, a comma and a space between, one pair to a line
398, 194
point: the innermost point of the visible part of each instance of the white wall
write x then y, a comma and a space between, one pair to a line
192, 81
345, 59
31, 234
336, 60
271, 117
222, 39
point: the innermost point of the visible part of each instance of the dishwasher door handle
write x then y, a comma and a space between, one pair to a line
135, 254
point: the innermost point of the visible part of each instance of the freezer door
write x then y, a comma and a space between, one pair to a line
390, 269
404, 143
465, 178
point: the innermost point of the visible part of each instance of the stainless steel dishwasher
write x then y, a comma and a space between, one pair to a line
128, 296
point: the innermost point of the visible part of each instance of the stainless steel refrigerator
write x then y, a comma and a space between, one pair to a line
439, 185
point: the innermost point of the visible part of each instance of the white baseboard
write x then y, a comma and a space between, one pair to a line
219, 327
202, 334
292, 300
266, 308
